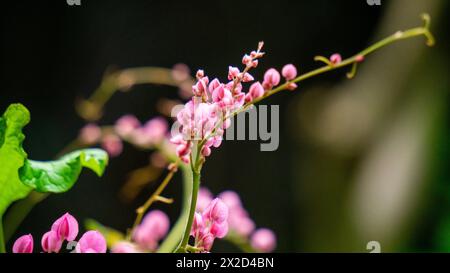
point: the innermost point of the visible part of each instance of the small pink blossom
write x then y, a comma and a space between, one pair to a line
153, 228
51, 242
24, 244
271, 78
335, 58
216, 211
156, 129
112, 144
210, 224
233, 72
66, 227
91, 242
90, 134
256, 91
263, 240
126, 125
289, 72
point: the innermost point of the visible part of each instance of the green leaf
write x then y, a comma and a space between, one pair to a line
60, 175
12, 155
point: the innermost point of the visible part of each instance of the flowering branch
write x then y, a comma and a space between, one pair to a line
201, 126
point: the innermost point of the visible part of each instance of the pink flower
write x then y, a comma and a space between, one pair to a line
24, 244
90, 134
66, 227
271, 78
231, 199
216, 211
51, 242
125, 247
91, 242
210, 224
126, 125
156, 129
289, 72
152, 229
263, 240
112, 144
335, 58
219, 230
256, 90
233, 72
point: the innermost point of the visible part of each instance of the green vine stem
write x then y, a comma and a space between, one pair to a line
193, 204
175, 235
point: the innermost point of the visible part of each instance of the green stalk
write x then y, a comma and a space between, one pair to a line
2, 240
187, 231
175, 235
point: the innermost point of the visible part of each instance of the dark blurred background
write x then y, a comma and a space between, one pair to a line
358, 160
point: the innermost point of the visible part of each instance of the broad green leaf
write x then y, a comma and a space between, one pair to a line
60, 175
12, 155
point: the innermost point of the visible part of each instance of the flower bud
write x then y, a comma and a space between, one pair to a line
66, 227
289, 72
233, 72
216, 211
90, 134
126, 125
91, 242
271, 78
51, 242
112, 144
231, 199
219, 230
335, 58
263, 240
256, 90
24, 244
197, 224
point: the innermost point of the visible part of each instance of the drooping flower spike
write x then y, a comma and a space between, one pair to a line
206, 115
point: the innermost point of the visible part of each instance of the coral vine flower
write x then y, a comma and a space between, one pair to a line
90, 134
91, 242
289, 72
126, 125
112, 144
51, 242
210, 224
335, 58
24, 244
263, 240
66, 227
204, 116
153, 228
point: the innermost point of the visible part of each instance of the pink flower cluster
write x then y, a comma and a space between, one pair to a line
146, 236
63, 229
239, 222
209, 224
128, 128
207, 114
